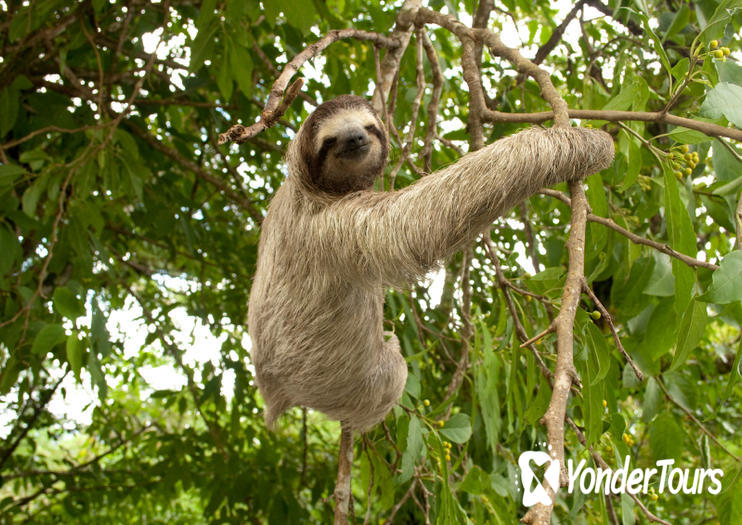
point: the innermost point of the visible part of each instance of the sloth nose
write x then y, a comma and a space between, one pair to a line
354, 143
356, 139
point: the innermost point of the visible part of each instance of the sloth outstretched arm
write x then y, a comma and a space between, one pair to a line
399, 236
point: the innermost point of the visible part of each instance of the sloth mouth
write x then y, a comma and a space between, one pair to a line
354, 150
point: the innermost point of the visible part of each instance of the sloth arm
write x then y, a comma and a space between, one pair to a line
399, 236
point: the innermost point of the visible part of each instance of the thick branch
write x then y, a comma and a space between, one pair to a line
495, 45
342, 486
565, 373
389, 66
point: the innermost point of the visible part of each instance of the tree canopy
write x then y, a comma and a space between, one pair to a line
128, 241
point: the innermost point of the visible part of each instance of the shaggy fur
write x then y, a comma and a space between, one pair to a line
330, 245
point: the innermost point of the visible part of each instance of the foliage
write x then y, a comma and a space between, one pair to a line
117, 203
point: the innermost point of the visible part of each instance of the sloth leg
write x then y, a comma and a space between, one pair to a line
384, 385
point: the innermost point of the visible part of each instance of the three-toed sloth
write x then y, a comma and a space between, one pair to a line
330, 245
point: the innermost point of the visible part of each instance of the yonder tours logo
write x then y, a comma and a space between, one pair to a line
591, 480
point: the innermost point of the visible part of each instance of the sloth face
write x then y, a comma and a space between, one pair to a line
348, 145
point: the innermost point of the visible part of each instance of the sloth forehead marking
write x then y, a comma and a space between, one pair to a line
340, 121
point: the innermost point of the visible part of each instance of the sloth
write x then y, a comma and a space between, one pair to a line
330, 245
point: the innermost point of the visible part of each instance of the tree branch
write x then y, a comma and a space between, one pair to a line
342, 486
636, 239
281, 97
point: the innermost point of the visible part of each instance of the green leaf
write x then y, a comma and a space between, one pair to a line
75, 349
727, 167
726, 283
203, 44
652, 400
734, 374
599, 350
301, 15
224, 77
241, 66
688, 136
679, 22
656, 42
20, 24
476, 481
627, 510
682, 238
99, 333
458, 428
662, 282
730, 188
206, 13
415, 445
31, 196
9, 173
729, 72
623, 100
661, 330
66, 303
8, 109
10, 251
48, 337
666, 437
536, 406
592, 402
9, 375
413, 385
729, 503
724, 100
714, 27
692, 328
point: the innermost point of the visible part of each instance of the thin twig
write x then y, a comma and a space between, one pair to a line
401, 502
519, 329
695, 420
609, 319
636, 239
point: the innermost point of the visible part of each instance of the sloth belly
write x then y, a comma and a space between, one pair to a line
328, 352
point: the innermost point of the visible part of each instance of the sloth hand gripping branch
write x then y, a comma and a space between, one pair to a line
330, 245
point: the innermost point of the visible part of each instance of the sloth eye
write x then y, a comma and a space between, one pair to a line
329, 141
370, 127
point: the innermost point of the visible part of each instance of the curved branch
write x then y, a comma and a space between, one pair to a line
277, 103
